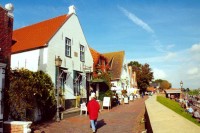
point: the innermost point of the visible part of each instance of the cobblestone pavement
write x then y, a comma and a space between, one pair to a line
120, 119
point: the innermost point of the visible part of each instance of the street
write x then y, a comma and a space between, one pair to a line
125, 118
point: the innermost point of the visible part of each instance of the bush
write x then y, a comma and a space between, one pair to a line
108, 93
29, 91
102, 94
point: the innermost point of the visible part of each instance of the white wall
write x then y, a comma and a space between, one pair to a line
56, 47
33, 60
72, 30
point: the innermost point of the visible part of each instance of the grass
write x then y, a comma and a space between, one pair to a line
175, 106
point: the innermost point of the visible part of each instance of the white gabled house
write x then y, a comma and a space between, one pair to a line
39, 44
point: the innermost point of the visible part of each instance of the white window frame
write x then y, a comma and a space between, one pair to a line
68, 47
82, 53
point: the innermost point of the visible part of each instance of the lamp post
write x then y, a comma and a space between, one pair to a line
76, 100
87, 71
181, 84
58, 63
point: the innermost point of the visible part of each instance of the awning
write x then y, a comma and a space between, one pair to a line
173, 91
116, 88
97, 81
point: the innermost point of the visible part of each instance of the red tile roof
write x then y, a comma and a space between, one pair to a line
95, 56
117, 64
37, 35
151, 88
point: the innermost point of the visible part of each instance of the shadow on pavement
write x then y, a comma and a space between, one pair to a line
100, 123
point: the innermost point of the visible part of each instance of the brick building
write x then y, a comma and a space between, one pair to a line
6, 30
6, 26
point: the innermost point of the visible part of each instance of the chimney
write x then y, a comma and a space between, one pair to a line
10, 8
72, 9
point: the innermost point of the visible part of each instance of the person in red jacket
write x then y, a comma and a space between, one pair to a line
93, 110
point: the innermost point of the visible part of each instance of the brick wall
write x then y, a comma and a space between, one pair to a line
17, 127
9, 128
6, 29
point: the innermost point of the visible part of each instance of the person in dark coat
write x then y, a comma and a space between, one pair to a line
93, 110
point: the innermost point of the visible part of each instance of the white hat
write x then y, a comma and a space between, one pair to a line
93, 95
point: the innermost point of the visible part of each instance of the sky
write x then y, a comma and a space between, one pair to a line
162, 33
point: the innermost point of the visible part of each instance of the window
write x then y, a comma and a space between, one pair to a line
99, 61
77, 83
63, 81
67, 47
82, 53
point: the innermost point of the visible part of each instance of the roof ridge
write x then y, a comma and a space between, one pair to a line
122, 51
94, 50
43, 21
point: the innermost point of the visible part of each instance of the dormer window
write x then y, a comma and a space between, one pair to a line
99, 61
67, 47
82, 53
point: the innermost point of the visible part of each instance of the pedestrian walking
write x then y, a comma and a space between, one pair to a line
93, 110
142, 94
117, 99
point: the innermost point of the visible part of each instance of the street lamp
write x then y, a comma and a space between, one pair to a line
181, 83
58, 63
87, 71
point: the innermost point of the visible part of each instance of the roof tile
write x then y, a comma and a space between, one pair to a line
118, 59
95, 55
37, 35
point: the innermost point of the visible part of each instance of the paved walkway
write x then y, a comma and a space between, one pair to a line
164, 120
121, 119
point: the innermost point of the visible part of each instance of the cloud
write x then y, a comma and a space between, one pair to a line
170, 55
167, 57
170, 46
136, 20
195, 48
195, 52
176, 66
193, 70
193, 74
159, 74
159, 47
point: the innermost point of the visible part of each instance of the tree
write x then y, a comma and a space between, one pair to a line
29, 91
144, 74
158, 81
193, 92
164, 84
187, 90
